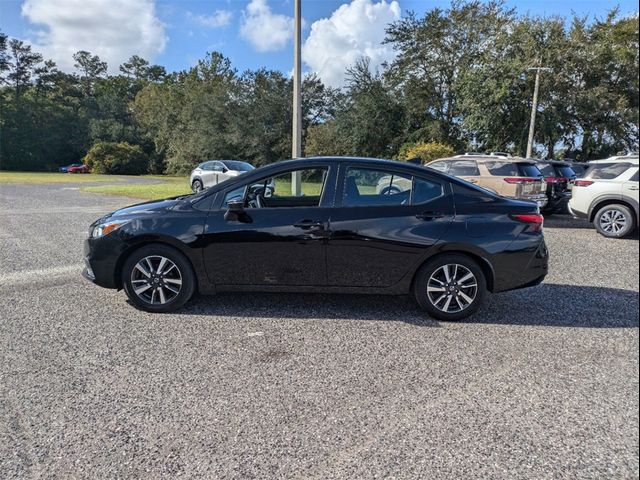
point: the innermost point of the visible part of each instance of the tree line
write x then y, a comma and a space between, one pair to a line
460, 78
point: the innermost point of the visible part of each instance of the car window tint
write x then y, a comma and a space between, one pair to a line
236, 194
217, 166
439, 166
296, 188
606, 171
565, 171
547, 169
634, 178
238, 166
425, 191
502, 169
528, 170
365, 186
464, 168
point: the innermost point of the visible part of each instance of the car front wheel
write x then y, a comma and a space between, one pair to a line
450, 287
614, 221
197, 186
158, 278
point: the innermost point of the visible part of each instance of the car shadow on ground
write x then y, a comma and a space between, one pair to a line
551, 305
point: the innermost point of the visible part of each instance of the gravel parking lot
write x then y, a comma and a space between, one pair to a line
542, 383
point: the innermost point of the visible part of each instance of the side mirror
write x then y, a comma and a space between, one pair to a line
225, 169
235, 212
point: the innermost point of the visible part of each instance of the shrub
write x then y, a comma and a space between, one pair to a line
116, 159
426, 151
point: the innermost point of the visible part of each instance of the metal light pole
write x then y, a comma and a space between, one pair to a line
534, 108
296, 139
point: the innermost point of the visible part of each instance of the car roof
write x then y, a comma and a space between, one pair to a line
487, 158
555, 162
632, 159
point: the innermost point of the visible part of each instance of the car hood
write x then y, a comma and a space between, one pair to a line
154, 207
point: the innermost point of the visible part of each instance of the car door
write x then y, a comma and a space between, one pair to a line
221, 172
279, 239
376, 238
208, 174
630, 187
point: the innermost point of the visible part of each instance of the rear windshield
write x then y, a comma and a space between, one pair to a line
238, 166
547, 169
606, 171
566, 172
512, 169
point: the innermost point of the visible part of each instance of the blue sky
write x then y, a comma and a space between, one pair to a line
252, 33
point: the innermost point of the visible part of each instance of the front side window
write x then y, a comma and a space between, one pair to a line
298, 188
464, 168
606, 171
369, 187
238, 166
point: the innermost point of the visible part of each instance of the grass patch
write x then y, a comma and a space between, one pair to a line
167, 187
43, 178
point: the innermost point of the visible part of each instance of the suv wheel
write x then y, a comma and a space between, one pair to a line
158, 278
614, 221
450, 287
196, 186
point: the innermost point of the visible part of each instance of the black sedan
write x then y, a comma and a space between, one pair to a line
324, 225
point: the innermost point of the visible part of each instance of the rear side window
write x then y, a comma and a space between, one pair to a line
367, 187
606, 171
502, 169
464, 168
439, 166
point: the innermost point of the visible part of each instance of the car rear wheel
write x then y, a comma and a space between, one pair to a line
158, 278
614, 221
197, 186
450, 287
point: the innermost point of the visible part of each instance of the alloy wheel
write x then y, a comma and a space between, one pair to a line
452, 288
156, 280
613, 221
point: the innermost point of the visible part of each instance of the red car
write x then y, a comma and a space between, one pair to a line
78, 169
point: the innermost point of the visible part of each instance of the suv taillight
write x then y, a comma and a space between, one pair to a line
556, 179
521, 180
582, 183
535, 220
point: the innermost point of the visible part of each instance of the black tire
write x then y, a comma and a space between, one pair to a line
453, 289
181, 271
606, 226
197, 186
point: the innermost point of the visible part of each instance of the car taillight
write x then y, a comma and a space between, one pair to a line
535, 220
582, 183
521, 180
556, 179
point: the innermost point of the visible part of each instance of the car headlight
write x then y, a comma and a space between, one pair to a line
103, 229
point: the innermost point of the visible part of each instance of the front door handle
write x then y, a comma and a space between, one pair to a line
430, 215
309, 224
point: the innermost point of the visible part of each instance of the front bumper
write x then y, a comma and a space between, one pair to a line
100, 259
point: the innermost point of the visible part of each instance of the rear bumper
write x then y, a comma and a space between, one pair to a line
577, 213
512, 275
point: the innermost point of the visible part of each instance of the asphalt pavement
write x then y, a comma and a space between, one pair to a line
541, 383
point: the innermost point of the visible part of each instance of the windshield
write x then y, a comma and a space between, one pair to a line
238, 166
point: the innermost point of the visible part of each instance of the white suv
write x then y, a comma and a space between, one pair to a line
607, 195
213, 172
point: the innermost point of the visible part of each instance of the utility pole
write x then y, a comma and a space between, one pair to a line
296, 139
534, 108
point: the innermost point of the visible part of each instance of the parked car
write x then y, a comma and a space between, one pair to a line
608, 196
444, 240
511, 177
579, 167
66, 169
558, 176
78, 169
213, 172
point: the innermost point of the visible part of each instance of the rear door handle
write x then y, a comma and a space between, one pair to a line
308, 224
430, 215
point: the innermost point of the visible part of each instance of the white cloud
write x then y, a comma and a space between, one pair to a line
112, 29
265, 30
219, 18
353, 31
